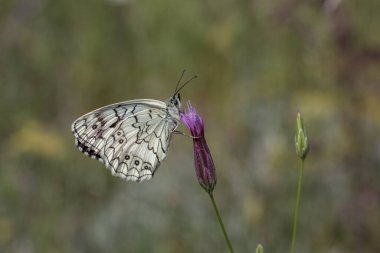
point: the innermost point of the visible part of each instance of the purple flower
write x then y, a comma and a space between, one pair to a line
204, 165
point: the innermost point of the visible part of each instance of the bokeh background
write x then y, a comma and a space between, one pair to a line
258, 62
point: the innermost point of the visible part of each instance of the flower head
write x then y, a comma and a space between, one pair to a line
204, 164
301, 141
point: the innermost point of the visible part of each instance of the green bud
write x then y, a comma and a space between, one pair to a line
301, 141
259, 249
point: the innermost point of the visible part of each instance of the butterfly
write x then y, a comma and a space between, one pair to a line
131, 138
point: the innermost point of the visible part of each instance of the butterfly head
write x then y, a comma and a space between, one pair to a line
175, 103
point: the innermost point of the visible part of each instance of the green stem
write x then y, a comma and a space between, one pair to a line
221, 223
297, 205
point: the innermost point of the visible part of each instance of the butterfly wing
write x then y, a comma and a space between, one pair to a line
131, 138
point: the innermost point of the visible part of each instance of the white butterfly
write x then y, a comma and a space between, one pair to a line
131, 138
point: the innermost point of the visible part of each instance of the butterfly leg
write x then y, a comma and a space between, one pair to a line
182, 133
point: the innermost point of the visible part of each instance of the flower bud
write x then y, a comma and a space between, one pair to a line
301, 141
259, 249
204, 164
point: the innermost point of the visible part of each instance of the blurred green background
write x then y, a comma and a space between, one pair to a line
258, 62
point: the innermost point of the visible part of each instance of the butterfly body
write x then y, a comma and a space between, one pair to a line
131, 138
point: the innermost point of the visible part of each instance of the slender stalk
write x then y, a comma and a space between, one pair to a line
297, 205
221, 223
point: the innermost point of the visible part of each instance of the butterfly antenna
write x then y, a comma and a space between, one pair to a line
183, 85
179, 81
